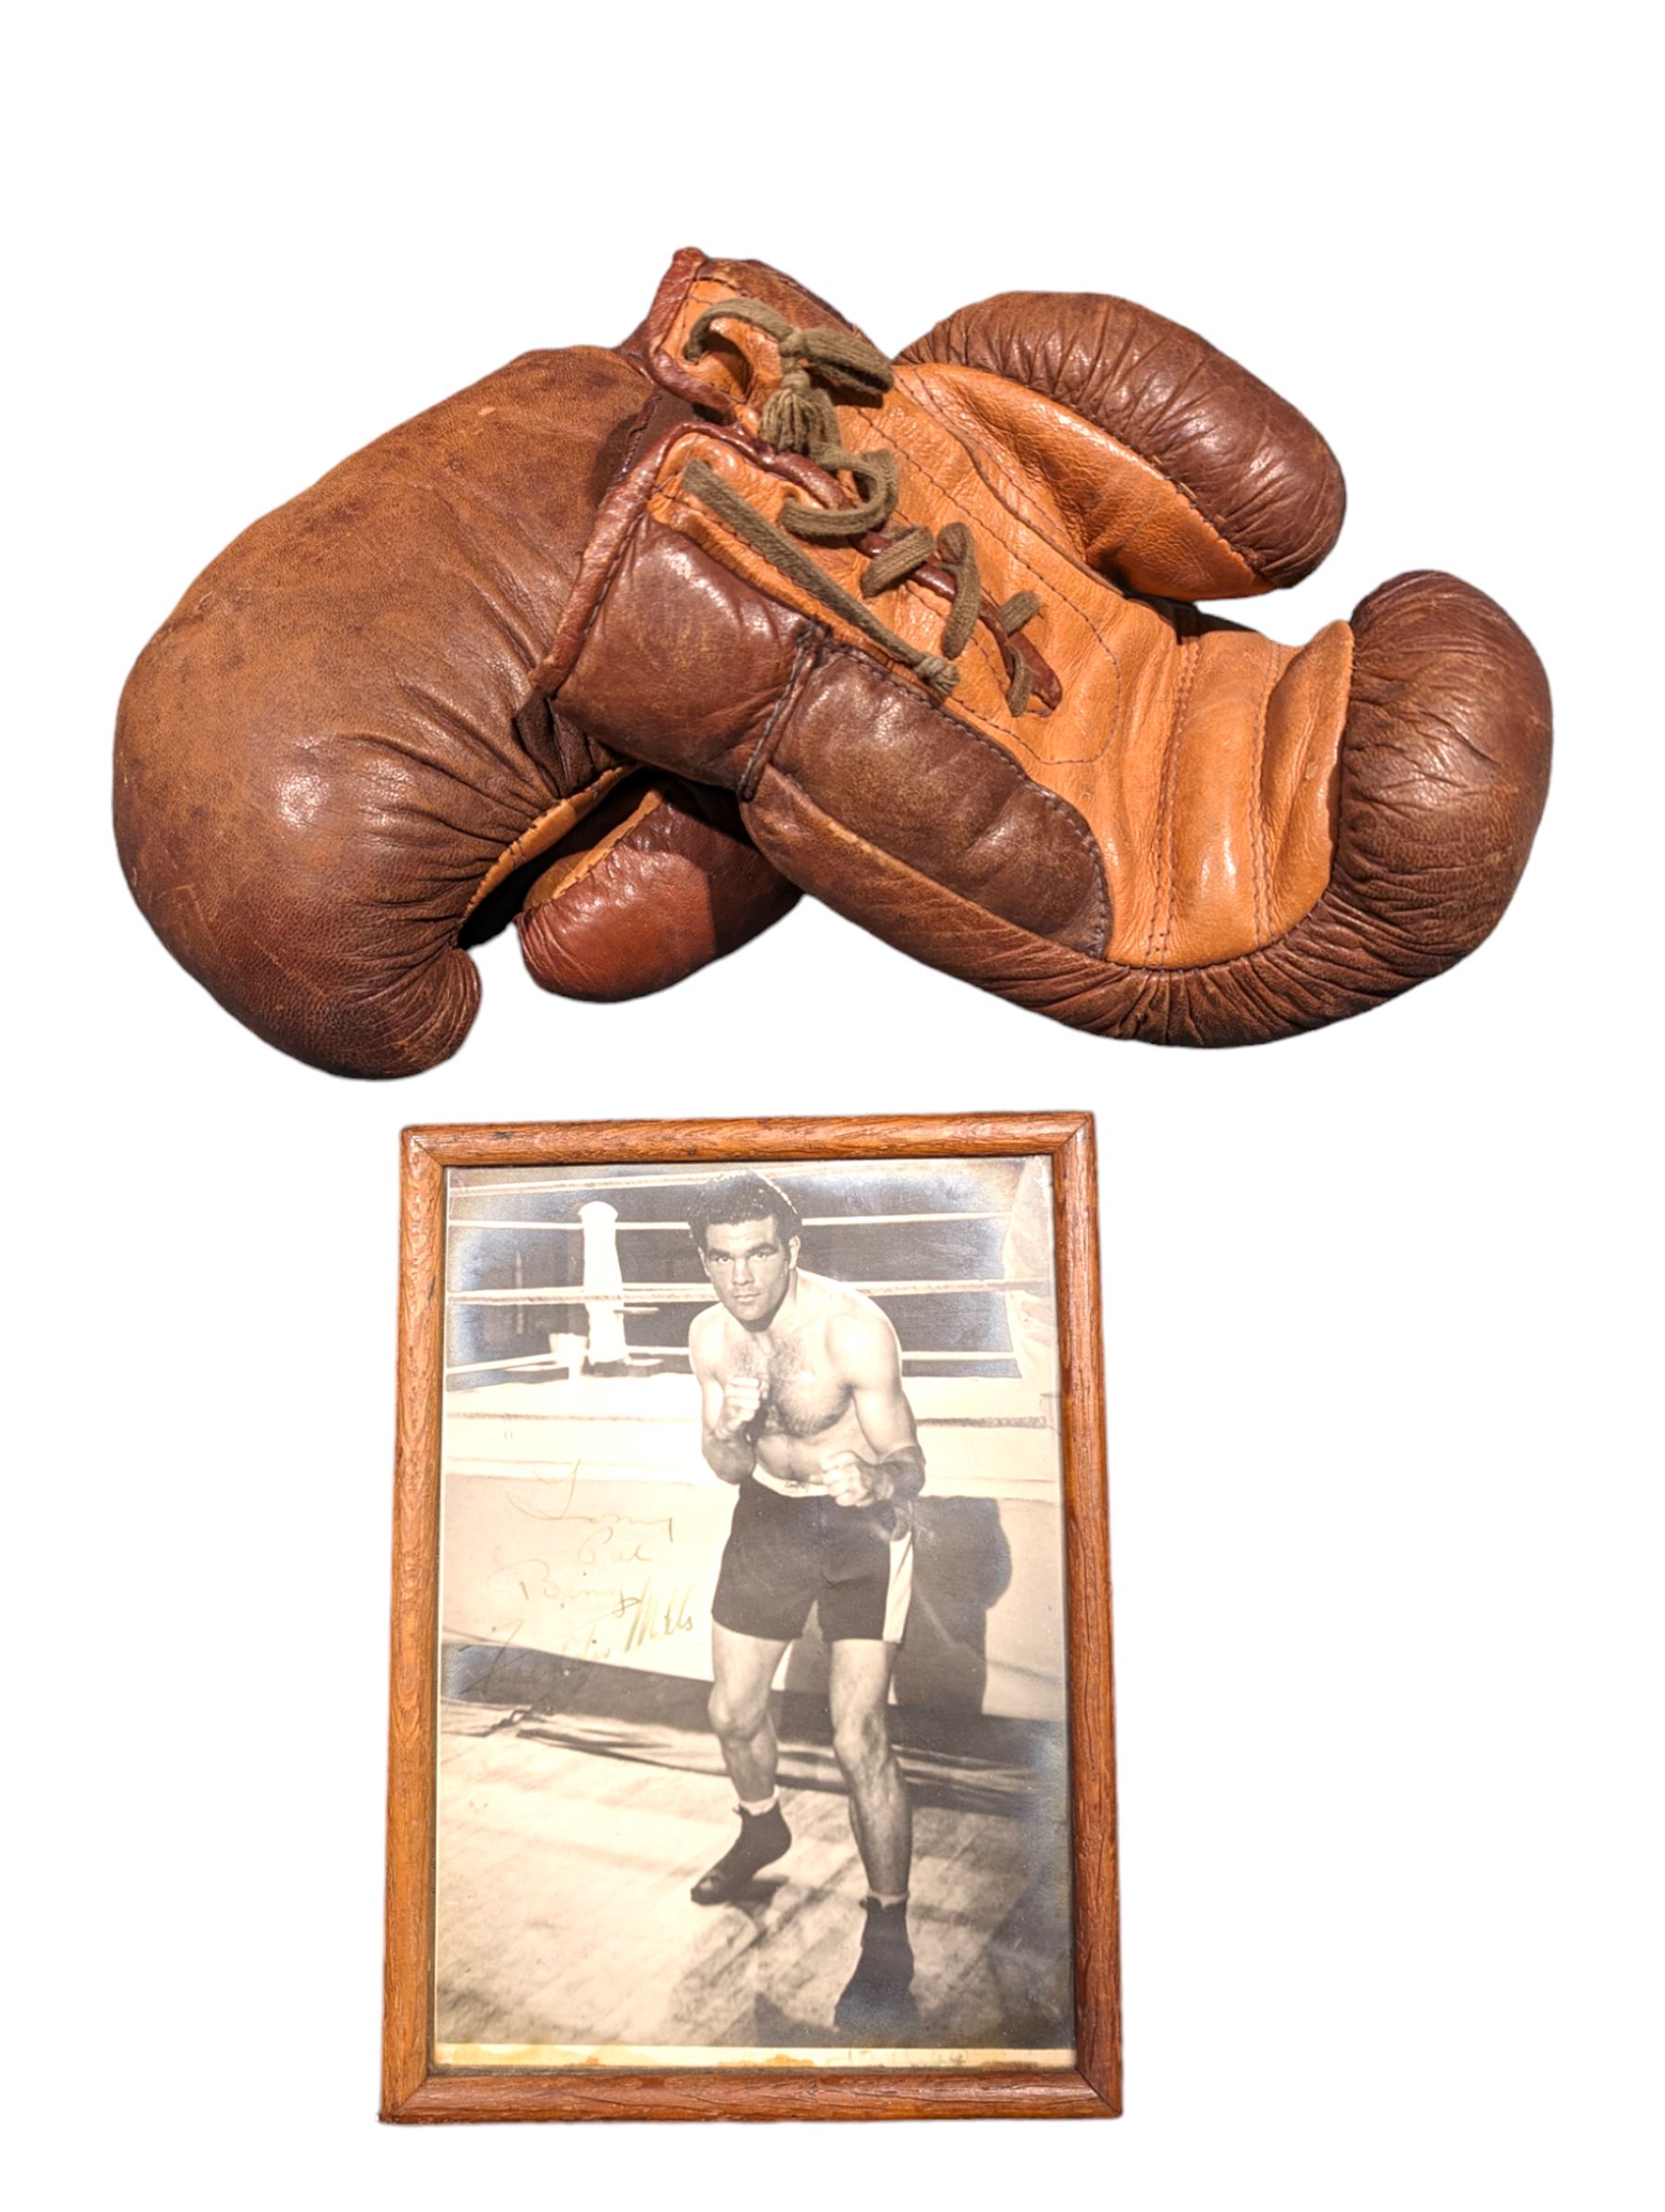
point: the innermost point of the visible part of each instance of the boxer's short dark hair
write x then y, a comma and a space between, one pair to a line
743, 1197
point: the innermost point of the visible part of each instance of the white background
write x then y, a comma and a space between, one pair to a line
1379, 1302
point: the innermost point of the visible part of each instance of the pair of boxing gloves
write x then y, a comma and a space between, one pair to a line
639, 643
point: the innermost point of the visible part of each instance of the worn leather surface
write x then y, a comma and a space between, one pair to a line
665, 867
1413, 888
1238, 453
1193, 833
330, 760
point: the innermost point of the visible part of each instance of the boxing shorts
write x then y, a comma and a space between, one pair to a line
852, 1563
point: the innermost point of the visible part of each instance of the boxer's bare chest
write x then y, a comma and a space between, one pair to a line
802, 1394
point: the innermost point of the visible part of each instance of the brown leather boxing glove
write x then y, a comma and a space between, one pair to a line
936, 638
333, 772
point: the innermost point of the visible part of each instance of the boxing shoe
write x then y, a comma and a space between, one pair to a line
933, 628
877, 1998
333, 772
763, 1838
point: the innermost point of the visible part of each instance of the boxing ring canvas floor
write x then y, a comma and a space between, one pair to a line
566, 1932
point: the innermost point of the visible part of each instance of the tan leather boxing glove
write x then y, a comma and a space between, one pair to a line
333, 772
930, 624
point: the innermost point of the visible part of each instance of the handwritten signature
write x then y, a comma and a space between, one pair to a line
611, 1618
614, 1539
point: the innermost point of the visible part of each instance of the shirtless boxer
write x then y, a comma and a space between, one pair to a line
802, 1407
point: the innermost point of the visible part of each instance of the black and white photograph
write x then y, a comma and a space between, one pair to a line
752, 1741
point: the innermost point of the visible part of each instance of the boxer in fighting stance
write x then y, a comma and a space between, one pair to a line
802, 1407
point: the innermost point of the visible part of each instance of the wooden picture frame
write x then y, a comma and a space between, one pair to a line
418, 2088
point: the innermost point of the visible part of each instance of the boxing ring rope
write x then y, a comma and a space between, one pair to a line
607, 1298
813, 1221
660, 1352
644, 1298
654, 1179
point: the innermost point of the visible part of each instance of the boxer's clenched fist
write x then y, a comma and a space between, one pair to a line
856, 1481
742, 1396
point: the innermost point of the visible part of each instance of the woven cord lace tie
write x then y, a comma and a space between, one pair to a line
800, 417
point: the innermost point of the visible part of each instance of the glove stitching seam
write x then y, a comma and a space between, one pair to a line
625, 545
774, 729
1260, 830
638, 431
1166, 875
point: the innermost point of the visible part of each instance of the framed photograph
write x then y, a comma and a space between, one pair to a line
751, 1749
